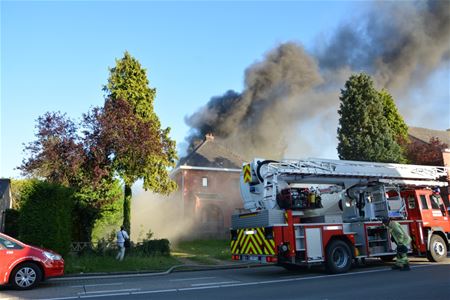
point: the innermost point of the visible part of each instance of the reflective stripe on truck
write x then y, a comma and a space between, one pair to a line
253, 241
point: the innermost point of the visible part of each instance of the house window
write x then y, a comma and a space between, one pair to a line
204, 181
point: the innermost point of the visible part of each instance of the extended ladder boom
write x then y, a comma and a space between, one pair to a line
356, 169
261, 180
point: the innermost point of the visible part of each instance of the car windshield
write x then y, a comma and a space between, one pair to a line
5, 239
6, 243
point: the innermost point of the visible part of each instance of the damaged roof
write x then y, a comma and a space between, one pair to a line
425, 134
212, 154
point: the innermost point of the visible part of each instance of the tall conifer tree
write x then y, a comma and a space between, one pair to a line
139, 147
364, 132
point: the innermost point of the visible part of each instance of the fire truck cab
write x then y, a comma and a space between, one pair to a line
431, 222
316, 211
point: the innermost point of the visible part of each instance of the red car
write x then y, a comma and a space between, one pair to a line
24, 266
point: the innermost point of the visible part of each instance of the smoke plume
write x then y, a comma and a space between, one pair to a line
161, 215
272, 90
400, 44
291, 94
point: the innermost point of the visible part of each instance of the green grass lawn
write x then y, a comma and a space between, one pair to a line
91, 263
203, 251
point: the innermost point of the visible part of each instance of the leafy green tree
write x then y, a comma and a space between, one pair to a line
111, 218
17, 187
363, 132
138, 147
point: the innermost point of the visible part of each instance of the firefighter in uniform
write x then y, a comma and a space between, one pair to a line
402, 239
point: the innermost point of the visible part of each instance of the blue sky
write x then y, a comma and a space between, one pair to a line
55, 55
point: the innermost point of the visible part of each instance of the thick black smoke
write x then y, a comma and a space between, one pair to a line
399, 43
269, 103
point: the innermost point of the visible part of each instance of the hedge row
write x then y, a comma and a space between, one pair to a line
46, 216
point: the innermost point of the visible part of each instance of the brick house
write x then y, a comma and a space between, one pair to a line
423, 136
208, 181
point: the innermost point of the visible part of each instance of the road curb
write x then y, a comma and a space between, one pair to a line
176, 268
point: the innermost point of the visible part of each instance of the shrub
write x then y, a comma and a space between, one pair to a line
106, 245
46, 215
150, 246
154, 247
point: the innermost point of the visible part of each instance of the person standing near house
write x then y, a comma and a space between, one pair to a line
122, 236
402, 239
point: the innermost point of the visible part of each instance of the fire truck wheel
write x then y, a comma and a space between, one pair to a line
339, 259
438, 249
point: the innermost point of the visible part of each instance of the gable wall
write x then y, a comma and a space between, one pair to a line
210, 207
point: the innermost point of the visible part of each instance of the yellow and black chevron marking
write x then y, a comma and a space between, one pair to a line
252, 241
247, 171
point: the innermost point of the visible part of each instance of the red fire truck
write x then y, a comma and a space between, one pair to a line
318, 211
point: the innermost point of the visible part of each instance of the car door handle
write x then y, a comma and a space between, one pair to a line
9, 252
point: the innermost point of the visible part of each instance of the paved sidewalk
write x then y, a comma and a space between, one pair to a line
187, 265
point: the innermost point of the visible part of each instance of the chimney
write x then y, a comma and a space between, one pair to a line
209, 137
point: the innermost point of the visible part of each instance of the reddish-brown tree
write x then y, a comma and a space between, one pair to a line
430, 153
64, 154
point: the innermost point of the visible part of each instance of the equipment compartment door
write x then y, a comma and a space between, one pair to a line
314, 247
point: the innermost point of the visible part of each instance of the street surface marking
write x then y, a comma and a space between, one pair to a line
106, 295
198, 288
154, 292
100, 284
62, 298
109, 291
277, 281
213, 283
197, 278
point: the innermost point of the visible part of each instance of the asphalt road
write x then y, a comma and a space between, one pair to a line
373, 281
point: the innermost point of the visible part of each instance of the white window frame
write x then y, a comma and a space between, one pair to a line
204, 181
